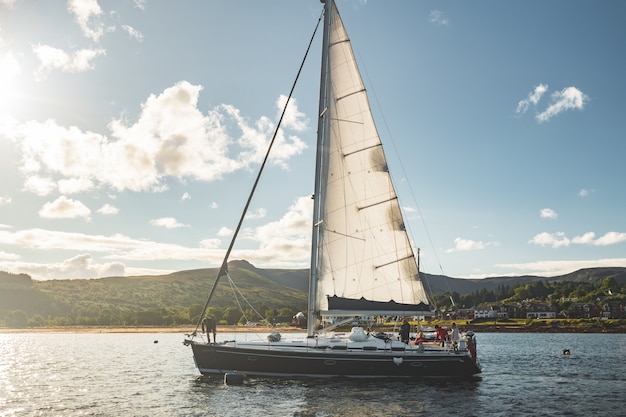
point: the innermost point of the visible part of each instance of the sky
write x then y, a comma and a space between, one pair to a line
131, 132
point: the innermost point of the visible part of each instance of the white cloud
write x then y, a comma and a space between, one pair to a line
210, 243
51, 58
533, 98
186, 196
556, 268
10, 71
108, 209
436, 16
65, 208
555, 240
75, 185
9, 68
168, 223
293, 118
133, 33
559, 239
586, 239
115, 246
5, 200
567, 99
548, 213
213, 205
287, 239
610, 238
225, 232
584, 192
140, 4
465, 245
254, 140
171, 138
85, 12
8, 256
39, 185
77, 267
258, 214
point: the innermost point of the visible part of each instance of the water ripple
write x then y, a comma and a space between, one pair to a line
130, 375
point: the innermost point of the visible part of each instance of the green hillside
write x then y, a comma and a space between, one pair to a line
176, 290
143, 300
178, 298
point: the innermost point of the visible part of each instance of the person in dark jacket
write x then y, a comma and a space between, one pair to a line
405, 329
209, 326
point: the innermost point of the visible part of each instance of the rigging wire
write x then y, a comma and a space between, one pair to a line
224, 267
237, 291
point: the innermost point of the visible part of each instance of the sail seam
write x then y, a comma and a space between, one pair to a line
338, 42
377, 203
362, 90
347, 121
363, 149
395, 261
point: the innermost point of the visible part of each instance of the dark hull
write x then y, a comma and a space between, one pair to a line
222, 358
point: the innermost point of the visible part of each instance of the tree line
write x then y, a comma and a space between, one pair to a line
558, 294
163, 317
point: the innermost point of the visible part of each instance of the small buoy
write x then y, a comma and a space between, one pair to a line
566, 351
233, 379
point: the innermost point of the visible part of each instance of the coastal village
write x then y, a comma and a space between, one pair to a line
536, 310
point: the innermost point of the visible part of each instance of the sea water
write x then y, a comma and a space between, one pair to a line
44, 374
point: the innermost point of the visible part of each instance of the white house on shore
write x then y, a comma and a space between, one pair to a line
541, 315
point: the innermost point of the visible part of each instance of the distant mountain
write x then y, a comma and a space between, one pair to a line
440, 284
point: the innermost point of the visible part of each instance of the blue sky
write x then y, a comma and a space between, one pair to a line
131, 132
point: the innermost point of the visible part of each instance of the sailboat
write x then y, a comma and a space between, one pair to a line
362, 261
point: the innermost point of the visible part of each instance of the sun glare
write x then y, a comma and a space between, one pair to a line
9, 70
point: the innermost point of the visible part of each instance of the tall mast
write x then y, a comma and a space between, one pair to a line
322, 128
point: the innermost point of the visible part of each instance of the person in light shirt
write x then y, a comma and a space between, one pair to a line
455, 337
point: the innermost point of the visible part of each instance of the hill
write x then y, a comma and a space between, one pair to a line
179, 297
440, 284
180, 289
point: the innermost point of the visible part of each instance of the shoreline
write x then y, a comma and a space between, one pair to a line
145, 329
293, 329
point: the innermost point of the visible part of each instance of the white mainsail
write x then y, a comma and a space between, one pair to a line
361, 248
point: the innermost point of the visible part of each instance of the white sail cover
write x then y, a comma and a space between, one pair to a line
363, 248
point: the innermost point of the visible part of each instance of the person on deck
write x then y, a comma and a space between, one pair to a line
405, 329
441, 335
208, 324
455, 337
420, 338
